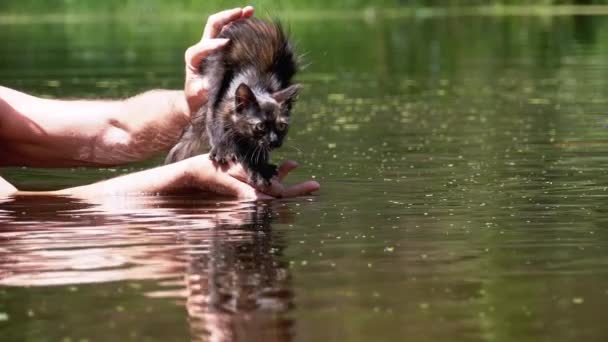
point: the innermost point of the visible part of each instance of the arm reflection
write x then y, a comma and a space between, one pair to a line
237, 285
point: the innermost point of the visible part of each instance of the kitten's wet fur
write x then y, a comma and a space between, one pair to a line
250, 100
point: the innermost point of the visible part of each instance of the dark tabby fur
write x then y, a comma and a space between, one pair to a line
250, 100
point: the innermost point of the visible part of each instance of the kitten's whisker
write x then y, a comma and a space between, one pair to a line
295, 148
251, 151
259, 153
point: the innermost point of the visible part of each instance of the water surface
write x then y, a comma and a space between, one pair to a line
462, 163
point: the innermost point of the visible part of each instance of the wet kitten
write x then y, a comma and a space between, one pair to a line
250, 100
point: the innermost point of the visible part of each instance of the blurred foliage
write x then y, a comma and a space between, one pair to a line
76, 6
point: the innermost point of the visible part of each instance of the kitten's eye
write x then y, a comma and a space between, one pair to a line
281, 126
260, 126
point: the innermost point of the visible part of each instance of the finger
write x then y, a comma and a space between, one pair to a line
196, 53
196, 91
217, 21
248, 12
285, 168
227, 185
301, 189
275, 189
237, 171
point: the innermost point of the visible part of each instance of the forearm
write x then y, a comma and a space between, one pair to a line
164, 179
51, 133
198, 173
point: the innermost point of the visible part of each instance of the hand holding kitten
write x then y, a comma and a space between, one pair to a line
231, 180
196, 87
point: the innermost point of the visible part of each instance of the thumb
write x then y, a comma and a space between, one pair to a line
196, 53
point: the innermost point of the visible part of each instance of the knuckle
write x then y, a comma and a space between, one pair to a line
189, 54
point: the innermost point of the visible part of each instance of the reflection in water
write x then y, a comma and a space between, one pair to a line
236, 285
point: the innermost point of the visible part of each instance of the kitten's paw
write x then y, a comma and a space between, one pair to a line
258, 180
269, 171
213, 154
221, 157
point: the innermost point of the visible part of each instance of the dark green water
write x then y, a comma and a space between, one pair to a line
464, 189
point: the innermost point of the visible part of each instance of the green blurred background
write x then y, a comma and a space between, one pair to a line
75, 6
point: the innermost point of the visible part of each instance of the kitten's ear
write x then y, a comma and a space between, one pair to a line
288, 94
244, 98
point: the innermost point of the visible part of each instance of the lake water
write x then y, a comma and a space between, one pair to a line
464, 192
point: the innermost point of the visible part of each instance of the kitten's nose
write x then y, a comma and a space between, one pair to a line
274, 140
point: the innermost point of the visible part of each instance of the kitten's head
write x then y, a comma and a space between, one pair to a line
263, 119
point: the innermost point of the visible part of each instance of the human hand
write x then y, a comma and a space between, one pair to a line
197, 86
230, 180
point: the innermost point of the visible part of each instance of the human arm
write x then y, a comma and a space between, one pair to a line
194, 174
58, 133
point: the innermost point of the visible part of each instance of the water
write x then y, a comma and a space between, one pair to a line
462, 163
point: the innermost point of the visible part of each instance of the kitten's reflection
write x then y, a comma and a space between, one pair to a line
239, 287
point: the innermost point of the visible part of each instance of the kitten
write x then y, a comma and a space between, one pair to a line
250, 100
